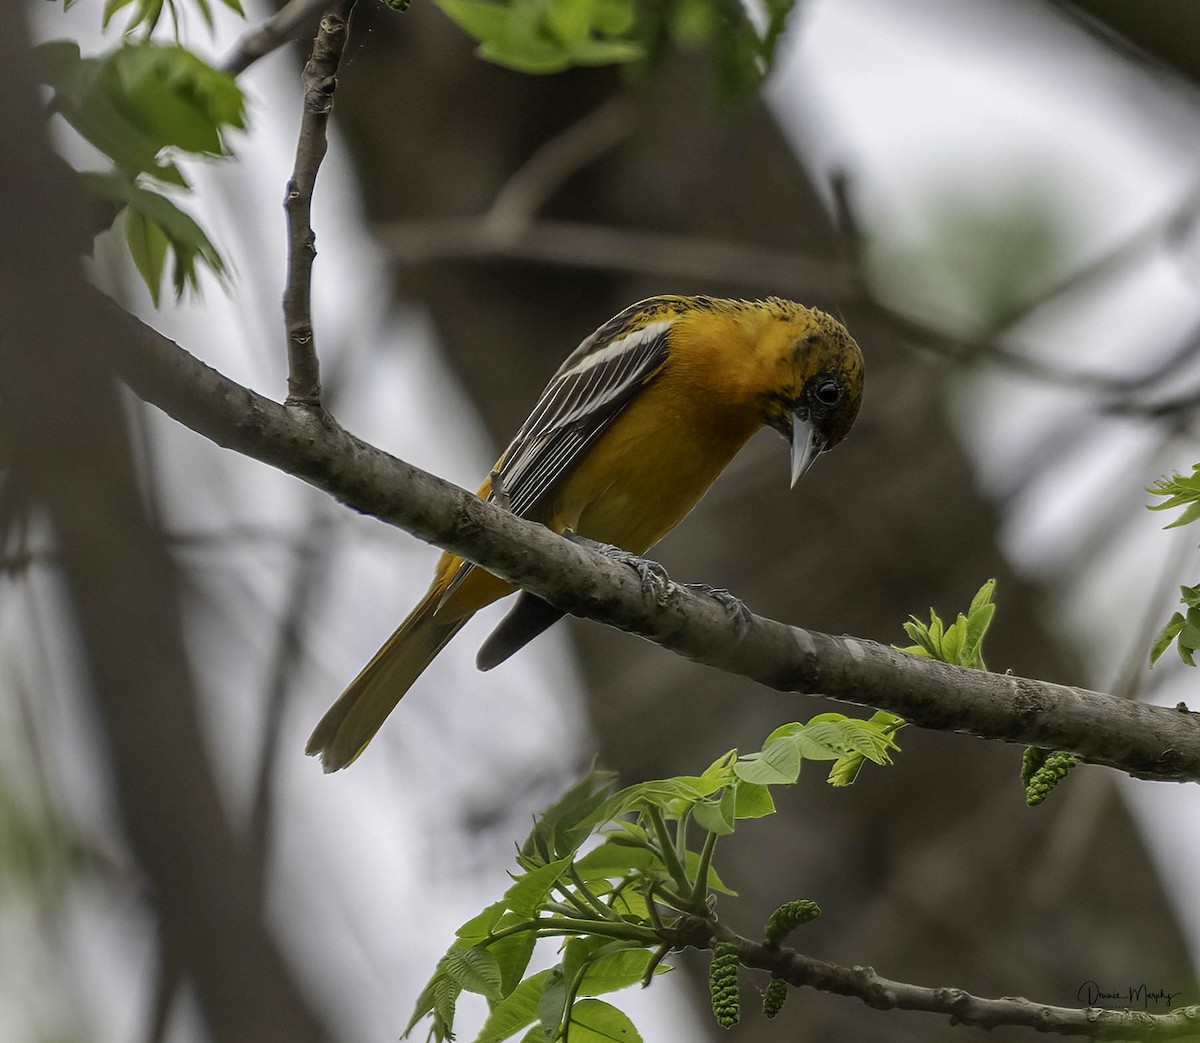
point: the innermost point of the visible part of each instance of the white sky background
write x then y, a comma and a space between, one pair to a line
889, 90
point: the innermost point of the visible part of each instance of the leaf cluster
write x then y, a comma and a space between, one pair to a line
617, 873
1183, 628
140, 104
543, 36
960, 643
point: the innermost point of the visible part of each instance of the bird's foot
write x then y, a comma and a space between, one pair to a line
734, 607
499, 493
655, 581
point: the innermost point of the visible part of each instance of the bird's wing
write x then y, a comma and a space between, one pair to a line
586, 395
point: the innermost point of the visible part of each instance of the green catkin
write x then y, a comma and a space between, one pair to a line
775, 996
1049, 775
723, 984
787, 918
1031, 760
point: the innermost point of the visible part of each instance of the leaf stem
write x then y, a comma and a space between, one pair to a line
553, 926
594, 903
700, 887
669, 856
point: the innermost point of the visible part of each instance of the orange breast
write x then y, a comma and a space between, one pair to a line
650, 468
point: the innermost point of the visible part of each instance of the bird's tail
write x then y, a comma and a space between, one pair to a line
360, 711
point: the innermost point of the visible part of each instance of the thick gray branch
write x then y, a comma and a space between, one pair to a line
1149, 742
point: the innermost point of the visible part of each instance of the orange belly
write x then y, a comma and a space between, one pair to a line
649, 469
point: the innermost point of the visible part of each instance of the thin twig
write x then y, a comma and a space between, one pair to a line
320, 81
555, 160
312, 563
285, 25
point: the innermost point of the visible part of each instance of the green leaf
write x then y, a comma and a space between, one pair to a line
613, 17
148, 248
753, 801
820, 741
529, 891
960, 643
714, 882
578, 951
552, 1003
1166, 636
437, 1000
143, 98
111, 7
188, 244
570, 21
562, 827
590, 51
611, 858
175, 97
481, 926
205, 13
717, 816
1178, 491
481, 19
541, 36
983, 598
474, 970
515, 1011
777, 764
617, 970
512, 953
526, 54
594, 1021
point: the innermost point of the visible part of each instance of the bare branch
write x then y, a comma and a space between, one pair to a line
584, 141
312, 563
580, 245
285, 25
1150, 742
320, 81
961, 1007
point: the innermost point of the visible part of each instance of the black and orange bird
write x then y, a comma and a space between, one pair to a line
628, 435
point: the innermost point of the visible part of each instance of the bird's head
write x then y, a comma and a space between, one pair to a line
817, 402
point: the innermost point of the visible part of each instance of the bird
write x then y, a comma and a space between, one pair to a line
628, 435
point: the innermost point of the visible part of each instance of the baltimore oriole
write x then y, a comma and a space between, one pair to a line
628, 435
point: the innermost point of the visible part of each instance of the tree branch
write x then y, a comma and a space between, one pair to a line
320, 81
1149, 742
961, 1007
282, 27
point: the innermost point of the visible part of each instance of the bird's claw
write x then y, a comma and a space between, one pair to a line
734, 607
499, 492
656, 583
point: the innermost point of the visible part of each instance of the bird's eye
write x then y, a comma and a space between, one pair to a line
828, 393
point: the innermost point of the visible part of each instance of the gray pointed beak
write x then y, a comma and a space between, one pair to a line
806, 447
